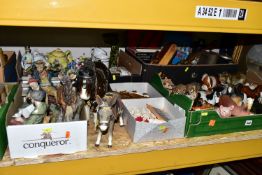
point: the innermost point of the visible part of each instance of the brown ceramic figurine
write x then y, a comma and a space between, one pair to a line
67, 97
41, 74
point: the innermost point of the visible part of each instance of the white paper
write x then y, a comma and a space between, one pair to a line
27, 110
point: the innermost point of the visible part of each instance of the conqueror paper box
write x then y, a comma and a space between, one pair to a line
43, 139
32, 140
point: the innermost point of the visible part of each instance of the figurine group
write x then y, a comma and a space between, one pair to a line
230, 94
59, 88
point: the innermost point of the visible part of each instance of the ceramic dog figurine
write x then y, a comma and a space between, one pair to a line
208, 82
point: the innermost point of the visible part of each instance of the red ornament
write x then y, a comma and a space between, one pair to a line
139, 119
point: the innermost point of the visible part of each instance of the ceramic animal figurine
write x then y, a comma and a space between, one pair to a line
227, 108
237, 78
179, 89
208, 82
252, 91
67, 97
87, 86
250, 94
192, 90
204, 101
92, 80
59, 60
224, 78
168, 84
110, 109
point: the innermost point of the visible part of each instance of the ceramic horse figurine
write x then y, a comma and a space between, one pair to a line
67, 97
92, 80
110, 109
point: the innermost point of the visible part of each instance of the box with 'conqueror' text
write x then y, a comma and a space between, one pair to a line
32, 140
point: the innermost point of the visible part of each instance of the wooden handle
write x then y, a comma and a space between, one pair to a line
154, 112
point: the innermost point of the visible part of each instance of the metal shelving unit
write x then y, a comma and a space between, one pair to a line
136, 14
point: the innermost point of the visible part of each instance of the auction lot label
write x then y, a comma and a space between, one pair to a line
212, 12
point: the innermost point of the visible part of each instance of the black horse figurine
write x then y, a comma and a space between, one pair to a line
92, 80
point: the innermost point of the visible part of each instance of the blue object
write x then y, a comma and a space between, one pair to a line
181, 55
10, 71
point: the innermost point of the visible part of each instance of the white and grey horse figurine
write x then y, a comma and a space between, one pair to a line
110, 109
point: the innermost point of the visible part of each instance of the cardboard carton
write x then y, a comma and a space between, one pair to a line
173, 127
207, 122
27, 141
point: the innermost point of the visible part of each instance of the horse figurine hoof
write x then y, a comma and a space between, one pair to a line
109, 146
96, 145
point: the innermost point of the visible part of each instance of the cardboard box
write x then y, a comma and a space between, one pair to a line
3, 111
183, 73
207, 122
8, 72
145, 54
143, 131
27, 141
140, 88
130, 64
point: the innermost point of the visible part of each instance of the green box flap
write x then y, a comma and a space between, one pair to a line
181, 100
3, 111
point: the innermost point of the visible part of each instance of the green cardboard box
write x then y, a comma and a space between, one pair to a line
3, 111
207, 122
